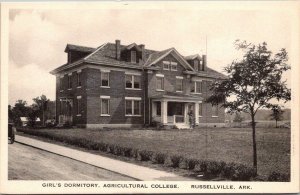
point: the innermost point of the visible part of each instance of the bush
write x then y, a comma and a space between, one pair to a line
127, 152
103, 147
275, 176
191, 163
243, 173
215, 168
145, 155
175, 160
229, 170
160, 158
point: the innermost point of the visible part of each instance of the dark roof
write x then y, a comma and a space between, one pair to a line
79, 48
106, 55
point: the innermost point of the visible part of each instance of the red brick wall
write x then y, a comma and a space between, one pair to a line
117, 93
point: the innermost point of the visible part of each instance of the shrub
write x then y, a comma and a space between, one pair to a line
275, 176
191, 163
160, 158
127, 152
175, 160
145, 155
103, 147
214, 167
203, 166
243, 173
229, 170
134, 153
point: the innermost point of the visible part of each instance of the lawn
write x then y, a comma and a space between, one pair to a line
221, 144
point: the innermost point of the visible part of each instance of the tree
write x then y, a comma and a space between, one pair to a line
253, 82
20, 109
40, 103
238, 117
277, 113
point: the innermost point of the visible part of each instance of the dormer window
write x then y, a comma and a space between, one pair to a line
133, 57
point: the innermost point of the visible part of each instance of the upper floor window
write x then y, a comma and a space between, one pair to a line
160, 82
133, 57
179, 84
173, 66
196, 65
70, 81
133, 81
104, 79
197, 88
215, 110
166, 65
105, 105
79, 79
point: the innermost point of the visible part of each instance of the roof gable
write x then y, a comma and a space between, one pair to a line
158, 56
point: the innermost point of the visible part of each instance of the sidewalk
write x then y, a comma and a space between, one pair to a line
128, 169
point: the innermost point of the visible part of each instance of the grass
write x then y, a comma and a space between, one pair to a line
223, 144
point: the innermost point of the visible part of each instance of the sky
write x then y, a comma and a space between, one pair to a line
38, 37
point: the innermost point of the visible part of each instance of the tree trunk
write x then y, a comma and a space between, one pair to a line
254, 143
276, 123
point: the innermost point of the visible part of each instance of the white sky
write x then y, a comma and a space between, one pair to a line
37, 38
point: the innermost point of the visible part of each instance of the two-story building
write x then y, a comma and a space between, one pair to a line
118, 85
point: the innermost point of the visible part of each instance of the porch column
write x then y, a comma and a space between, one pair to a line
164, 112
197, 113
186, 108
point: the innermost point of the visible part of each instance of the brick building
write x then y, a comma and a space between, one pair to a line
118, 85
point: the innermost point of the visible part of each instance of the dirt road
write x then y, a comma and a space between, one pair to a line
28, 163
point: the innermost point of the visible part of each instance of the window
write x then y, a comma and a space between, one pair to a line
160, 83
105, 79
196, 65
79, 79
133, 56
200, 109
133, 82
215, 111
166, 65
173, 66
197, 88
69, 81
133, 107
78, 106
105, 105
179, 84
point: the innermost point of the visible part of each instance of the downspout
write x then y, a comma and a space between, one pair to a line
144, 95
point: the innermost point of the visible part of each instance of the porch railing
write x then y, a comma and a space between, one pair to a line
63, 119
178, 119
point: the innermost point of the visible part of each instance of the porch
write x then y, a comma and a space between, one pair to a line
66, 109
176, 111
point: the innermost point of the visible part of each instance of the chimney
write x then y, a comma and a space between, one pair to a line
143, 51
204, 61
118, 49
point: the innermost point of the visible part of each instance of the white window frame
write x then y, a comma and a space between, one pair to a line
163, 82
70, 81
131, 56
102, 97
61, 80
195, 87
78, 110
166, 63
201, 109
173, 64
181, 79
217, 109
134, 99
106, 72
132, 81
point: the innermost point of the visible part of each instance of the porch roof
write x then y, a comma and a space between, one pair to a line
171, 96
